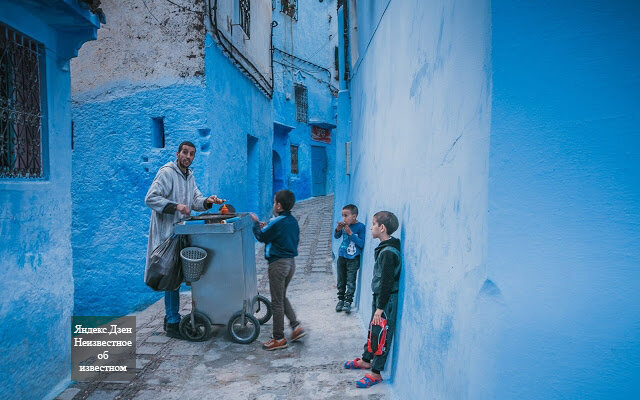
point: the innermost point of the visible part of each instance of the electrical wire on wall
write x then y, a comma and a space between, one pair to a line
293, 68
320, 68
183, 8
240, 60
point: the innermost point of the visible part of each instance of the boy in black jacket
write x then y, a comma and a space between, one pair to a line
281, 236
386, 277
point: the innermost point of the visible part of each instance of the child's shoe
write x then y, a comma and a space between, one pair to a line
346, 307
275, 344
298, 333
368, 381
354, 364
339, 305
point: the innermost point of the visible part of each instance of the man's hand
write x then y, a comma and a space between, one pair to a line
214, 199
262, 224
340, 226
377, 317
183, 209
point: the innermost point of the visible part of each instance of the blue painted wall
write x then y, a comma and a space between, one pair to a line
236, 109
114, 164
309, 38
35, 221
564, 231
420, 114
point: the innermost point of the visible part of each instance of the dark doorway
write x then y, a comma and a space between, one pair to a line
278, 173
318, 171
252, 174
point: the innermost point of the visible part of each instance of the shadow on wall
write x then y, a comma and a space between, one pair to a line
393, 362
485, 324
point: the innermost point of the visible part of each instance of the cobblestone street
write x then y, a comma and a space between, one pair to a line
221, 369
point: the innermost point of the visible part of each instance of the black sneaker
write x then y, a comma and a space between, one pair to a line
346, 307
173, 330
339, 305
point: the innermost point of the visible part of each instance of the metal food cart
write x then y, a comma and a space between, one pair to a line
227, 291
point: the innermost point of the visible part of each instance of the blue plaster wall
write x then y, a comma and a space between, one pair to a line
235, 109
114, 164
35, 231
564, 231
420, 115
309, 38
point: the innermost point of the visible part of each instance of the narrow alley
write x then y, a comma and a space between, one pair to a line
497, 142
219, 368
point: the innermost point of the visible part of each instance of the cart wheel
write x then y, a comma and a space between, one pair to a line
243, 334
197, 333
262, 309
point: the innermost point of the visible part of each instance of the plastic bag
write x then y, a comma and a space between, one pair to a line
165, 267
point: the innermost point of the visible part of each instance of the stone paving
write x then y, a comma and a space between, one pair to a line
221, 369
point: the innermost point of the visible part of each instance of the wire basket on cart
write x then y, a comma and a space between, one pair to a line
192, 263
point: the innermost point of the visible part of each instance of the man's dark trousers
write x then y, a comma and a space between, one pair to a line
390, 311
347, 274
280, 273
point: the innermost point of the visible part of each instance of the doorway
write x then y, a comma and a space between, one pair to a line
252, 174
318, 171
278, 173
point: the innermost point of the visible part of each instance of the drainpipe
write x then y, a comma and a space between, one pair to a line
273, 25
342, 48
343, 131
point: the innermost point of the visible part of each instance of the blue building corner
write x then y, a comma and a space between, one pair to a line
36, 45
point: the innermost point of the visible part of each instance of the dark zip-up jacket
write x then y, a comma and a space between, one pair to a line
386, 271
281, 236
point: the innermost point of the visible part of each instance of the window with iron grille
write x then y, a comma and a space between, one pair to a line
245, 16
294, 159
301, 103
21, 69
289, 7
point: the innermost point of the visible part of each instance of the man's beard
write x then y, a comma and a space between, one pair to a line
182, 163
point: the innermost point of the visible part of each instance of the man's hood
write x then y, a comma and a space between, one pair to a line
174, 165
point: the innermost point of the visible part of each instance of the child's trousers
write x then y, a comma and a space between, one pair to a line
280, 273
347, 270
391, 310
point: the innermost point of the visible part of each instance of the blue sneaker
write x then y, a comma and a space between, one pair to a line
368, 381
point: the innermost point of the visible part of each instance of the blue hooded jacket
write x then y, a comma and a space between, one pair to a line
281, 236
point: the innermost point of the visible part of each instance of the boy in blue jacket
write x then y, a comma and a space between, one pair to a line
281, 236
352, 233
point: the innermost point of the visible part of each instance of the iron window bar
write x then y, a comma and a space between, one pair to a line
21, 68
245, 17
301, 103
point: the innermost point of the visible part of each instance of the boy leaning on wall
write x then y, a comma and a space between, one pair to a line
384, 284
352, 233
